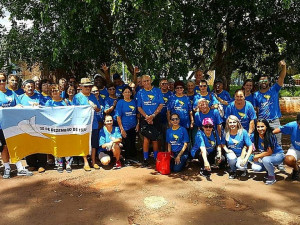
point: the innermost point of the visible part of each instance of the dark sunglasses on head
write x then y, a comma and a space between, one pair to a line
208, 126
174, 119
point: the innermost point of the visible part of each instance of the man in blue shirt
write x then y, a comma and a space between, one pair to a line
150, 102
293, 154
13, 84
266, 100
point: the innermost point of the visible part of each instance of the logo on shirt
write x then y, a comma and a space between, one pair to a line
212, 143
175, 137
181, 102
151, 97
132, 107
198, 91
102, 96
267, 97
241, 114
165, 99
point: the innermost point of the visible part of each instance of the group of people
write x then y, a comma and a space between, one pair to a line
187, 119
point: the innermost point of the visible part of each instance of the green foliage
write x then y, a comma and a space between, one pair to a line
163, 37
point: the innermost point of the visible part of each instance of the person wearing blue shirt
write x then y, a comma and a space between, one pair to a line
8, 98
63, 86
86, 98
110, 139
126, 113
45, 87
150, 102
222, 96
30, 98
248, 87
268, 153
266, 100
177, 139
212, 100
71, 92
243, 110
119, 84
209, 145
56, 101
206, 112
100, 82
199, 76
13, 84
293, 154
110, 102
180, 104
237, 145
163, 84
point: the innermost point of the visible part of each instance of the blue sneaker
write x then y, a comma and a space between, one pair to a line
271, 180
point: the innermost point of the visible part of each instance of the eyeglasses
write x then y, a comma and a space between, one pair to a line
203, 86
208, 126
55, 90
263, 81
174, 119
2, 81
164, 83
111, 89
179, 88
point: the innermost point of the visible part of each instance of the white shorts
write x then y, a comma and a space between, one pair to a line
292, 151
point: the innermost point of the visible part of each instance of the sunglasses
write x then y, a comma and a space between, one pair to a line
55, 90
203, 86
208, 126
111, 89
174, 119
263, 81
179, 88
2, 81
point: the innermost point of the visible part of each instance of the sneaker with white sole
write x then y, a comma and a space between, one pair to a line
271, 180
24, 172
6, 174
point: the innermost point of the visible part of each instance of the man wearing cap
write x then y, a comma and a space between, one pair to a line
31, 98
86, 98
13, 84
293, 154
100, 82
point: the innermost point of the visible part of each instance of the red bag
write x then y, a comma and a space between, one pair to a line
163, 163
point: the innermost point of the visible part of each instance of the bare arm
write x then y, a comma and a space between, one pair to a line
251, 127
282, 74
276, 131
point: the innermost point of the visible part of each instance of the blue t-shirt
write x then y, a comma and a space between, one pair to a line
18, 92
8, 99
30, 100
44, 98
105, 136
201, 140
103, 93
108, 102
268, 103
197, 89
191, 98
69, 102
250, 98
53, 103
245, 115
276, 149
225, 96
212, 100
63, 94
237, 142
127, 112
181, 106
81, 99
119, 90
177, 138
149, 100
213, 114
292, 129
163, 112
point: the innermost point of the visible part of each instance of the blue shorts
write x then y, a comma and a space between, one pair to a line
95, 138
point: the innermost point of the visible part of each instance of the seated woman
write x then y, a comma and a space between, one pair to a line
57, 100
208, 144
237, 145
270, 153
177, 139
110, 139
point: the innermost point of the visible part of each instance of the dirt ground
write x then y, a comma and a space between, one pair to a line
135, 195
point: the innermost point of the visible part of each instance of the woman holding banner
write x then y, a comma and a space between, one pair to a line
8, 98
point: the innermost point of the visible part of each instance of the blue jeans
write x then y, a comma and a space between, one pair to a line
235, 162
177, 168
268, 163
